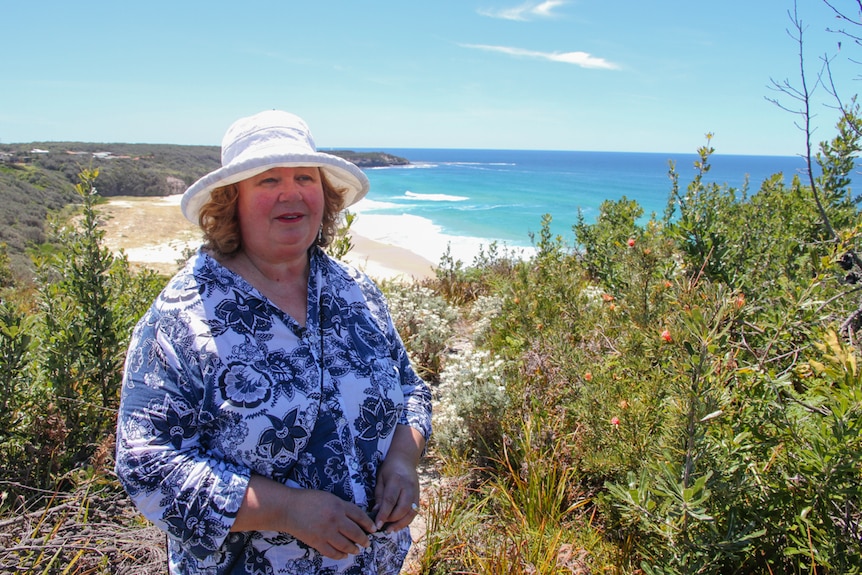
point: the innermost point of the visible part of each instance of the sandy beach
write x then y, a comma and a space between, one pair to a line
153, 233
384, 261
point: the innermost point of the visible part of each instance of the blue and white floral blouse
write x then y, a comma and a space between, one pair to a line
219, 384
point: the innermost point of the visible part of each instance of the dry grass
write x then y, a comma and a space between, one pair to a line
84, 533
151, 231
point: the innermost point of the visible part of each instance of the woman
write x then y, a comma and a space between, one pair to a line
270, 421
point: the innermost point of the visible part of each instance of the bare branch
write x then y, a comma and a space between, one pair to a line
804, 96
841, 15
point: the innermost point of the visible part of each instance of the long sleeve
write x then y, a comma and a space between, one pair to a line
174, 479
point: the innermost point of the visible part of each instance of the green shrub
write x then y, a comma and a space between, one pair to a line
341, 245
697, 396
62, 363
17, 397
461, 284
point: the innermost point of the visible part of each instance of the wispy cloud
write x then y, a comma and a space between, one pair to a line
582, 59
526, 11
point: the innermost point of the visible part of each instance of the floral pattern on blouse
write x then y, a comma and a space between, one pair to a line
219, 384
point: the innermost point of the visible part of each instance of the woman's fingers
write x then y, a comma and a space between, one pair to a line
406, 511
331, 525
397, 510
397, 489
397, 493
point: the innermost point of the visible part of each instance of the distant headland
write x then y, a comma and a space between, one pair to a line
369, 159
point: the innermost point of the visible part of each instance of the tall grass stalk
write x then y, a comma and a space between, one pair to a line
534, 484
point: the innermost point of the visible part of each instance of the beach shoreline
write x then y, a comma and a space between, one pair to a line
124, 217
387, 261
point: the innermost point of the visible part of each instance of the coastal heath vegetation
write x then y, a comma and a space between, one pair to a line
62, 340
677, 393
669, 395
682, 393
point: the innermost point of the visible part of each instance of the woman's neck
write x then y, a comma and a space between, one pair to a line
278, 271
285, 284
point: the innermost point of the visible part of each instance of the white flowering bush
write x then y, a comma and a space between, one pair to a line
482, 312
470, 402
424, 320
593, 295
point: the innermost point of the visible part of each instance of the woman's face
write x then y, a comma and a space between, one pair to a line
280, 212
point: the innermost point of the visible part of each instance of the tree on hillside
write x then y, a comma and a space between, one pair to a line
62, 347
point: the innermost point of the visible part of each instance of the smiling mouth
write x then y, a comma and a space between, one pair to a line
290, 217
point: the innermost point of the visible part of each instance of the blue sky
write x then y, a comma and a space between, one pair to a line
560, 75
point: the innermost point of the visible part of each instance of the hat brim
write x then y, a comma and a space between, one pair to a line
339, 172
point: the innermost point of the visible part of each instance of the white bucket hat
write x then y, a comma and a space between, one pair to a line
272, 139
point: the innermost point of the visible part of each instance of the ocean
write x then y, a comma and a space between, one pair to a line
467, 199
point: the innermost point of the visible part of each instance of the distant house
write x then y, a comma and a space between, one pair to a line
6, 157
39, 151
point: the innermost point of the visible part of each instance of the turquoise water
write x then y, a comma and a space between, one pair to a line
469, 198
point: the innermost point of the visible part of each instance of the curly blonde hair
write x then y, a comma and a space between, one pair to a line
220, 224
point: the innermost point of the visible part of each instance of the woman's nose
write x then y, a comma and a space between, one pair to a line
289, 190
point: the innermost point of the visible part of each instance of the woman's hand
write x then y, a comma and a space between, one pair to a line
336, 528
397, 490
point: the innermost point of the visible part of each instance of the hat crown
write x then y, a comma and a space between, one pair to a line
258, 134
